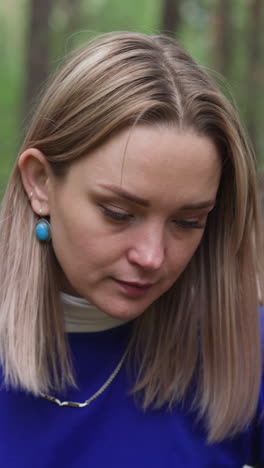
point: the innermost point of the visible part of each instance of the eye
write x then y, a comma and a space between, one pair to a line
116, 215
190, 224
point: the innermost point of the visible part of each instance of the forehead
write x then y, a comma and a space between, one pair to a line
154, 162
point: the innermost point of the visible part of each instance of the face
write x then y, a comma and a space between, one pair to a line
127, 219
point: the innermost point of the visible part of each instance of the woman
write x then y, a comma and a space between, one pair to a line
146, 253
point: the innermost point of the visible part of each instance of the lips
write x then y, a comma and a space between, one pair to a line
134, 288
136, 284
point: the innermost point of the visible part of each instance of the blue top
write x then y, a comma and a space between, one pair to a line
112, 431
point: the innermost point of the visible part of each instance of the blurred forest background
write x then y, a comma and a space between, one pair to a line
225, 36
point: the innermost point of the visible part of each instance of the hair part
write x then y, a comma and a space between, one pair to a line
205, 329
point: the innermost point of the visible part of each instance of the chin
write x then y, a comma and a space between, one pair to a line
123, 312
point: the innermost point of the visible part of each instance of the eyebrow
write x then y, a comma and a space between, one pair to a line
126, 195
122, 193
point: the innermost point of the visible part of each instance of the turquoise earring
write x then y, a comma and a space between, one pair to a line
43, 229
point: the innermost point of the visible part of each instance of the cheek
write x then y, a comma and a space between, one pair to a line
183, 253
70, 229
81, 249
69, 241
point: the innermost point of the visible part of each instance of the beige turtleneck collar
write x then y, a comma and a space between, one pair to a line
82, 316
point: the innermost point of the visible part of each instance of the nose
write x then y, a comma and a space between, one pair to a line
148, 250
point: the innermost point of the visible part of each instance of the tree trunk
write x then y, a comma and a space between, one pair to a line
255, 71
171, 17
222, 37
37, 54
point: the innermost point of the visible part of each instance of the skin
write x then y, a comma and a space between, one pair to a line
116, 252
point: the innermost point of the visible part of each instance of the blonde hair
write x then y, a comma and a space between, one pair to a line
205, 329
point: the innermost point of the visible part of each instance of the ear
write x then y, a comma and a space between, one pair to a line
35, 173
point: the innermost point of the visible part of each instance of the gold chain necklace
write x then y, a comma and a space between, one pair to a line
74, 404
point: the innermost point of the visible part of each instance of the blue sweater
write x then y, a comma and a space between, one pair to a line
112, 431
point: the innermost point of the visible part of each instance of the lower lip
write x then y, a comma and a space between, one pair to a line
133, 291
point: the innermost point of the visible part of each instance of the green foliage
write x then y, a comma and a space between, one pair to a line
12, 33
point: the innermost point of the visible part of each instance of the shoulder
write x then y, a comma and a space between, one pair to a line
258, 423
261, 313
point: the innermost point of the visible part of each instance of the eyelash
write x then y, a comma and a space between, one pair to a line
117, 216
191, 224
